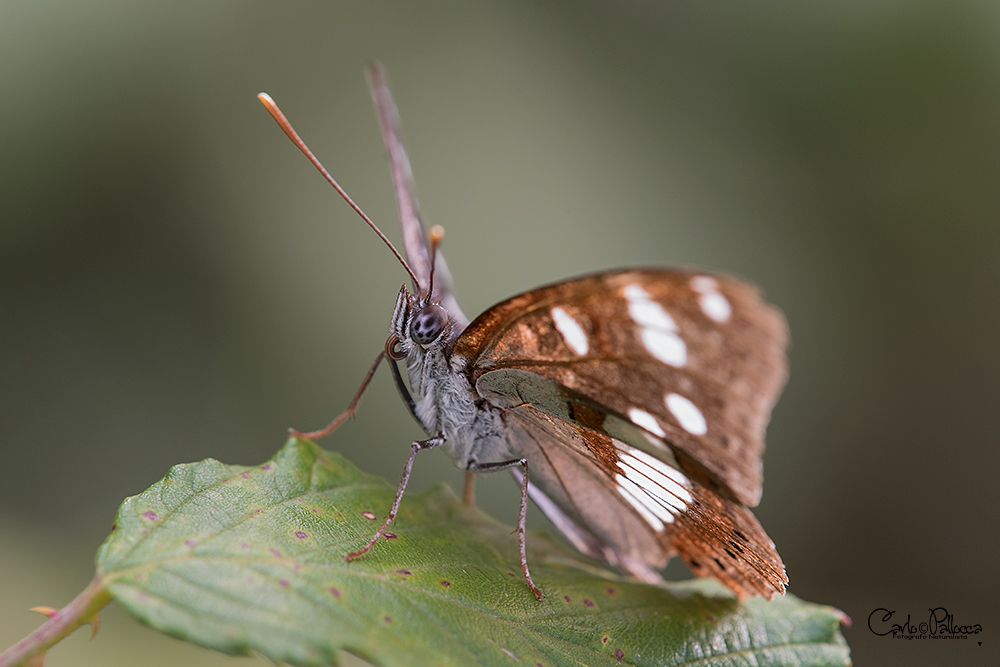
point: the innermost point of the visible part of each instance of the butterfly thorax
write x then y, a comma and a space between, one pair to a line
444, 400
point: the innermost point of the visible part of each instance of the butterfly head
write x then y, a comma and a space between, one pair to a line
419, 324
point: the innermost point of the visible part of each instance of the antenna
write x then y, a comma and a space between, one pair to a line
436, 235
283, 123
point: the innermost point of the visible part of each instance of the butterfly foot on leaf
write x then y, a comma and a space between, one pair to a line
363, 550
306, 435
314, 435
415, 447
535, 590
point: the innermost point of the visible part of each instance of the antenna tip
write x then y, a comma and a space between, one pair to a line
265, 99
436, 234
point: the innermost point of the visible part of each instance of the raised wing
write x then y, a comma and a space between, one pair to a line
414, 234
684, 366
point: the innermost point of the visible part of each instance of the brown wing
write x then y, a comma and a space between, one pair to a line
696, 361
640, 510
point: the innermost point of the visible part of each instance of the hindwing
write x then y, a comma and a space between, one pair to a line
617, 502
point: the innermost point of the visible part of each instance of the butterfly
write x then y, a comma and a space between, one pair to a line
629, 405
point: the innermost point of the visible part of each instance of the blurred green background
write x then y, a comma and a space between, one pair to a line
178, 283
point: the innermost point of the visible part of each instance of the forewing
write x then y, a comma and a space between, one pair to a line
640, 509
695, 361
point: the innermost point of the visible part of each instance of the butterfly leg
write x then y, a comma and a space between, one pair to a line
415, 447
522, 516
339, 419
469, 490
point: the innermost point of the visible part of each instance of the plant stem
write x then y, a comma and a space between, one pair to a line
83, 609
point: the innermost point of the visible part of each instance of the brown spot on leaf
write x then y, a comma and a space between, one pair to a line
387, 619
275, 553
588, 603
151, 515
611, 591
620, 655
389, 536
403, 572
446, 584
369, 515
190, 543
283, 582
336, 592
299, 534
266, 466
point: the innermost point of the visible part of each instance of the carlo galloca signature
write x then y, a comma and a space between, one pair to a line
939, 625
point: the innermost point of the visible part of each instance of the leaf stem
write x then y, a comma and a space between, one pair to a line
83, 609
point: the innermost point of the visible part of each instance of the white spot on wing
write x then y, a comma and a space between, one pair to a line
650, 510
657, 329
651, 314
645, 420
702, 284
665, 346
635, 292
711, 301
657, 490
571, 331
715, 306
669, 484
687, 413
656, 442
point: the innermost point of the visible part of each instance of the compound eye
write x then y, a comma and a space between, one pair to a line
428, 324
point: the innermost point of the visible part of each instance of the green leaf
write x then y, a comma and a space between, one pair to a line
243, 559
